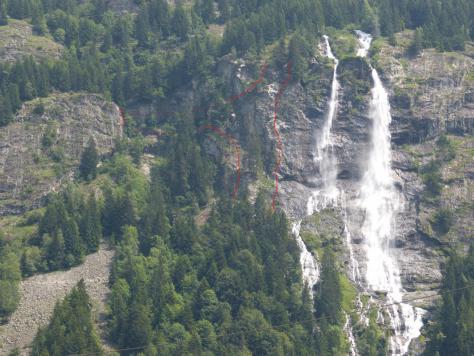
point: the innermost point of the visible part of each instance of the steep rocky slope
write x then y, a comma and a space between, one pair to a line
433, 111
432, 121
41, 148
18, 41
438, 103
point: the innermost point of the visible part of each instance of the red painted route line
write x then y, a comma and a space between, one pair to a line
251, 87
276, 170
231, 99
233, 141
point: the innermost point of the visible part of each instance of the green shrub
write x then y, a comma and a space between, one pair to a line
39, 109
432, 178
446, 150
443, 220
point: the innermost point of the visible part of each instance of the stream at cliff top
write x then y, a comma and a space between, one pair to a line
380, 202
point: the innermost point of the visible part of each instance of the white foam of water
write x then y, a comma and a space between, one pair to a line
309, 266
350, 335
328, 194
365, 40
380, 203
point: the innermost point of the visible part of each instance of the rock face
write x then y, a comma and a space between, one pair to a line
430, 95
40, 293
41, 149
17, 41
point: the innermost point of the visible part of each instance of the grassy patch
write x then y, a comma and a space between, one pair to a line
343, 43
349, 294
18, 36
17, 228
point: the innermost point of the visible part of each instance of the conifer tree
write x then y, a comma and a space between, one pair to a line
296, 53
329, 296
6, 114
56, 251
180, 22
71, 329
142, 27
10, 276
417, 45
89, 161
3, 13
37, 18
90, 226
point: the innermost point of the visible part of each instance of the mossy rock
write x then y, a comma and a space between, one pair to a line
324, 228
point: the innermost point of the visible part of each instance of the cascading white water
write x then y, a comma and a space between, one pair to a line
327, 166
350, 335
380, 203
325, 158
308, 264
365, 41
328, 192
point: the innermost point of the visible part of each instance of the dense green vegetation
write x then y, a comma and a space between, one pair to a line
71, 329
126, 57
452, 333
10, 276
228, 284
445, 152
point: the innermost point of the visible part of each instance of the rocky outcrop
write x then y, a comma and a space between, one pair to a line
430, 95
40, 293
18, 41
40, 150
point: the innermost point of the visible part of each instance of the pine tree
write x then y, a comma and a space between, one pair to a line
71, 329
37, 19
180, 22
118, 302
6, 114
142, 27
3, 13
329, 296
296, 53
89, 161
73, 246
417, 45
100, 7
90, 226
10, 276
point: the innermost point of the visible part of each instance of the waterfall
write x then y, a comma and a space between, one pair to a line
328, 192
380, 203
308, 264
350, 335
324, 156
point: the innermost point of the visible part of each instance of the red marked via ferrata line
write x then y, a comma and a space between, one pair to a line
251, 87
233, 141
278, 96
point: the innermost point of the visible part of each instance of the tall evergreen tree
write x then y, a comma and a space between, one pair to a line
71, 329
89, 161
3, 13
180, 22
329, 296
10, 277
